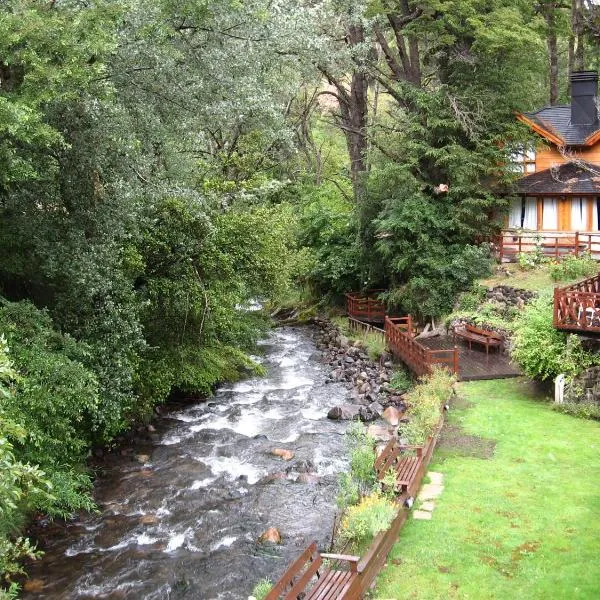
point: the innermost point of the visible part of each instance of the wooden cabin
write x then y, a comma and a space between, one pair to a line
558, 196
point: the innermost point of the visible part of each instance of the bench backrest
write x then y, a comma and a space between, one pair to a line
484, 332
297, 576
389, 458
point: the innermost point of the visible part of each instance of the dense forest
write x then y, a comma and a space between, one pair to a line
164, 163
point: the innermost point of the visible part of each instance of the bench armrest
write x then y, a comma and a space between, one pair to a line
353, 560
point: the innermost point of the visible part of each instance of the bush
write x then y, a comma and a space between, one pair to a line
542, 351
582, 410
361, 478
261, 589
373, 514
401, 380
425, 403
22, 486
56, 403
573, 267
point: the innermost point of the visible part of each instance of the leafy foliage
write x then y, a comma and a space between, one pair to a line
374, 513
361, 479
572, 267
22, 485
425, 403
542, 351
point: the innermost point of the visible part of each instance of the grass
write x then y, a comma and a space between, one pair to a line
536, 280
523, 522
373, 342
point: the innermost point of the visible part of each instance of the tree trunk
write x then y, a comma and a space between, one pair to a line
550, 17
576, 41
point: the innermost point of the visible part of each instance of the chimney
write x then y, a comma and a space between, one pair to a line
584, 89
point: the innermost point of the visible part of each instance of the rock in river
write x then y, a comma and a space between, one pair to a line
283, 453
343, 412
271, 535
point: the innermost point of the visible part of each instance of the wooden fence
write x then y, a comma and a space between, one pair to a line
555, 244
399, 333
362, 327
365, 307
577, 306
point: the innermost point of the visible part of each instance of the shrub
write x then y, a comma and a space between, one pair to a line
425, 402
261, 589
401, 381
373, 514
22, 486
544, 352
583, 410
361, 478
573, 267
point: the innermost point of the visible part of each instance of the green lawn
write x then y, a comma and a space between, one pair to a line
523, 523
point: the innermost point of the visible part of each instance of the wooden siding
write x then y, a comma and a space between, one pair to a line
549, 156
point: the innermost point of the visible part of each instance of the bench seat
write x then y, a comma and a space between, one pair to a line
489, 339
331, 585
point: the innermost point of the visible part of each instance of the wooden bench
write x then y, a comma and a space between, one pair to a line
307, 578
406, 468
489, 339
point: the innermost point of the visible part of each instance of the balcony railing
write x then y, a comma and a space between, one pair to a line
513, 242
577, 306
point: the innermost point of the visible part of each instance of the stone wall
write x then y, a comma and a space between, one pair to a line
585, 388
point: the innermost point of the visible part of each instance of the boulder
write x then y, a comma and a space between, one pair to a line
283, 453
380, 433
343, 412
376, 408
308, 478
271, 535
149, 520
366, 414
392, 415
301, 466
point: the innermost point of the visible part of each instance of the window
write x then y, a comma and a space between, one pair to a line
550, 214
579, 214
522, 160
523, 213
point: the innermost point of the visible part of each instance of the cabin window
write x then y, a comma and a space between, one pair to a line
522, 160
523, 213
579, 214
550, 214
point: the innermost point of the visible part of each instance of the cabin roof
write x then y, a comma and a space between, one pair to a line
578, 177
556, 120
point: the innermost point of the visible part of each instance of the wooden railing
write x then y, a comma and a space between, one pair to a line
362, 327
513, 242
365, 307
577, 306
421, 360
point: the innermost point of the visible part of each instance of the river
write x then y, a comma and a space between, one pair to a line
181, 512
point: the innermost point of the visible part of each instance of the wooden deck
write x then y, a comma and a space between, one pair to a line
473, 364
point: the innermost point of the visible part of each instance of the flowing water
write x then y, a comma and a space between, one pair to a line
181, 515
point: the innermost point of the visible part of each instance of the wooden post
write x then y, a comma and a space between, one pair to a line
455, 365
577, 243
501, 246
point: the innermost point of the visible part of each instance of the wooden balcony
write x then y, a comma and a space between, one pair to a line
365, 306
577, 306
553, 244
